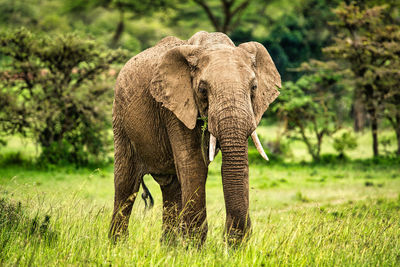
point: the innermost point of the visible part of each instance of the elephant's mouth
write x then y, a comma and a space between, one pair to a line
214, 146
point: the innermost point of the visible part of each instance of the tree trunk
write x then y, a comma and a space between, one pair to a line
372, 111
398, 139
396, 126
374, 129
358, 113
319, 144
314, 154
119, 30
395, 122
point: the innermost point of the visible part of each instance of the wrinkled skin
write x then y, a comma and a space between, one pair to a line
159, 96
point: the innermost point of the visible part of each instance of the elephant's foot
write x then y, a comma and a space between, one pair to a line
237, 233
118, 230
171, 229
236, 237
170, 237
119, 225
195, 234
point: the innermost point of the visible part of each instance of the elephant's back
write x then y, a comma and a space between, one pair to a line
134, 78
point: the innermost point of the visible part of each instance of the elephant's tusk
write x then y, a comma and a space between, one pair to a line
259, 147
213, 144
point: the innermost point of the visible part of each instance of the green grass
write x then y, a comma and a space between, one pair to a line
302, 214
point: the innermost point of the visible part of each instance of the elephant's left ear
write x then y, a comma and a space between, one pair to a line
268, 78
172, 84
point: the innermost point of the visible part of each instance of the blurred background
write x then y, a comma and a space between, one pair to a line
339, 63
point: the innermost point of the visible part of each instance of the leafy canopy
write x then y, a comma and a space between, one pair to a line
54, 90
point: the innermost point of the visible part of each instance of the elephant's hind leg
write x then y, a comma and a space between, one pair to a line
172, 205
127, 178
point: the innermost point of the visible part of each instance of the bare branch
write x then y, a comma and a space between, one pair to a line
226, 6
209, 13
241, 7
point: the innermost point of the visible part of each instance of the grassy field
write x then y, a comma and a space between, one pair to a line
302, 214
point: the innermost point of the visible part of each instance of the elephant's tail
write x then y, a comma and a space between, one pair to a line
147, 195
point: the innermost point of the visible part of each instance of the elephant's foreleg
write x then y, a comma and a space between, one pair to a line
192, 175
194, 215
172, 206
127, 177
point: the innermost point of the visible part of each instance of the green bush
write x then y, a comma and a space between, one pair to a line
273, 153
343, 142
56, 90
12, 158
333, 159
280, 147
308, 109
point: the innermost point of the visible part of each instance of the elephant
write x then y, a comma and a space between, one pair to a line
161, 98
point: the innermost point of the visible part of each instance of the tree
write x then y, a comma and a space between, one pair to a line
343, 142
54, 90
389, 79
300, 35
125, 8
369, 45
232, 10
308, 108
226, 15
17, 12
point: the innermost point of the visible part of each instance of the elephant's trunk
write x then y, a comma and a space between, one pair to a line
233, 131
231, 121
235, 179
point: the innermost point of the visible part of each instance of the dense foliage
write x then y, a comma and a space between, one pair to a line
299, 36
344, 142
356, 40
123, 7
310, 105
54, 90
369, 45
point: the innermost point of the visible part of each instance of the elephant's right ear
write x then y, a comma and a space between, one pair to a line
268, 78
172, 83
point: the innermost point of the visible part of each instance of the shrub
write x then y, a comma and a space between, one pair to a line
55, 90
343, 142
273, 153
333, 159
280, 147
386, 143
12, 158
308, 109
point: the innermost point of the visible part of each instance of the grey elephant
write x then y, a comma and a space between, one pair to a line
160, 94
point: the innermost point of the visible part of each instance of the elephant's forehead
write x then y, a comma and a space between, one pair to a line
220, 47
224, 74
228, 61
226, 55
225, 63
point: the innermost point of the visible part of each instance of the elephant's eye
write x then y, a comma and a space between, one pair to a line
253, 84
253, 89
202, 89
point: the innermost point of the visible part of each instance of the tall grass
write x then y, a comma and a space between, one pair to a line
362, 233
303, 214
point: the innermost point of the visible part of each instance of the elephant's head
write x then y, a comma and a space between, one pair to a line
232, 86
